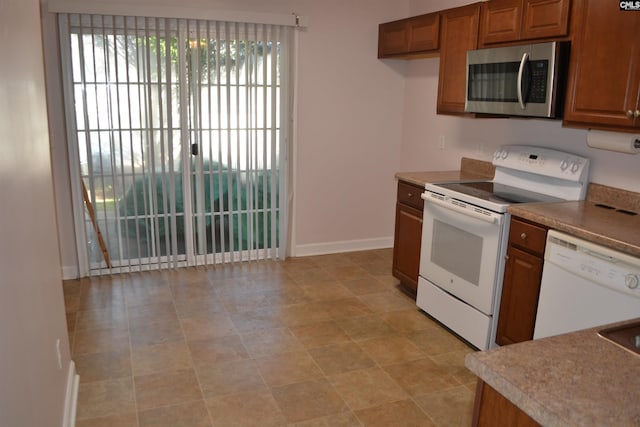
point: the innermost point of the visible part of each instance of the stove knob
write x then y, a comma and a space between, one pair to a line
575, 166
505, 153
631, 280
564, 165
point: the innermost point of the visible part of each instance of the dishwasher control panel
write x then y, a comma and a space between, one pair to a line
605, 266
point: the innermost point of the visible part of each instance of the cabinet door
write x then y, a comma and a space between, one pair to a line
493, 409
459, 33
393, 38
500, 21
406, 246
409, 38
424, 33
545, 19
604, 71
519, 301
504, 21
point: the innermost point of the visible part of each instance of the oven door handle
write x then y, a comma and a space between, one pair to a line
467, 212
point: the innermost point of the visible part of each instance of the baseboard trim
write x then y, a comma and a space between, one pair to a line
71, 397
343, 246
69, 272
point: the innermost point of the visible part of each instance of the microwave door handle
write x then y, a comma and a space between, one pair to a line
523, 62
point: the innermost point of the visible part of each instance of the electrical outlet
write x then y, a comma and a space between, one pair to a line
59, 353
441, 143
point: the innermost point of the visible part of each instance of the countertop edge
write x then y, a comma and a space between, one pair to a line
553, 379
550, 221
470, 169
509, 391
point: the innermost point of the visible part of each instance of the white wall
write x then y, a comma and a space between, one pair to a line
32, 315
422, 129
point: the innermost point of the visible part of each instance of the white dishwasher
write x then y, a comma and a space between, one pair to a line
585, 285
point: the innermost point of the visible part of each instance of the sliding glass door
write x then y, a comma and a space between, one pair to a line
176, 139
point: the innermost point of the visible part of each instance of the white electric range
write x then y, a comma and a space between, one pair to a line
465, 229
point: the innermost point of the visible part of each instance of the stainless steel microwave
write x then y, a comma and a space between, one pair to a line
527, 80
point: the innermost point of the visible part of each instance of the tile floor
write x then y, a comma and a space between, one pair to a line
314, 341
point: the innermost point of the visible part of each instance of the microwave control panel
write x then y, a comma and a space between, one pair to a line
539, 71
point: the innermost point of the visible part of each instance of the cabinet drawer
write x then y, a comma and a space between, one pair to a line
409, 194
527, 236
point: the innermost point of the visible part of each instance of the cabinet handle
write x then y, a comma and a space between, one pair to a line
410, 195
629, 113
523, 236
636, 114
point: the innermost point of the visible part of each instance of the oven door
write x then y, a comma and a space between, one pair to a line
462, 246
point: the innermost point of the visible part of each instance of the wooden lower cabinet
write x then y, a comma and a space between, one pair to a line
493, 409
408, 236
521, 285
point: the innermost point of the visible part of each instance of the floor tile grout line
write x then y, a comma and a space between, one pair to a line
288, 327
133, 376
184, 337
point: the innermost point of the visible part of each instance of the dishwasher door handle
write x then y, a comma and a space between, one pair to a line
464, 211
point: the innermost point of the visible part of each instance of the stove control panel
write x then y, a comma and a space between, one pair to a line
542, 161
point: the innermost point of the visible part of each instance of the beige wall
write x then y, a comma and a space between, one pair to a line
361, 119
32, 316
350, 117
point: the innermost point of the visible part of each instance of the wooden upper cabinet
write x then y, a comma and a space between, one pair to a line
409, 37
392, 39
506, 21
604, 72
424, 33
545, 19
458, 33
500, 21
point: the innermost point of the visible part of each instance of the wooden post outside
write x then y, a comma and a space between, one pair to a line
96, 227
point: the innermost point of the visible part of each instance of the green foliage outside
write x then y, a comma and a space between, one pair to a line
225, 193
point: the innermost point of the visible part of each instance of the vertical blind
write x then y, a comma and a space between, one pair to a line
177, 134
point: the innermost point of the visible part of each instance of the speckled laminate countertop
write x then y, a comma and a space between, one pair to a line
575, 379
469, 169
614, 226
